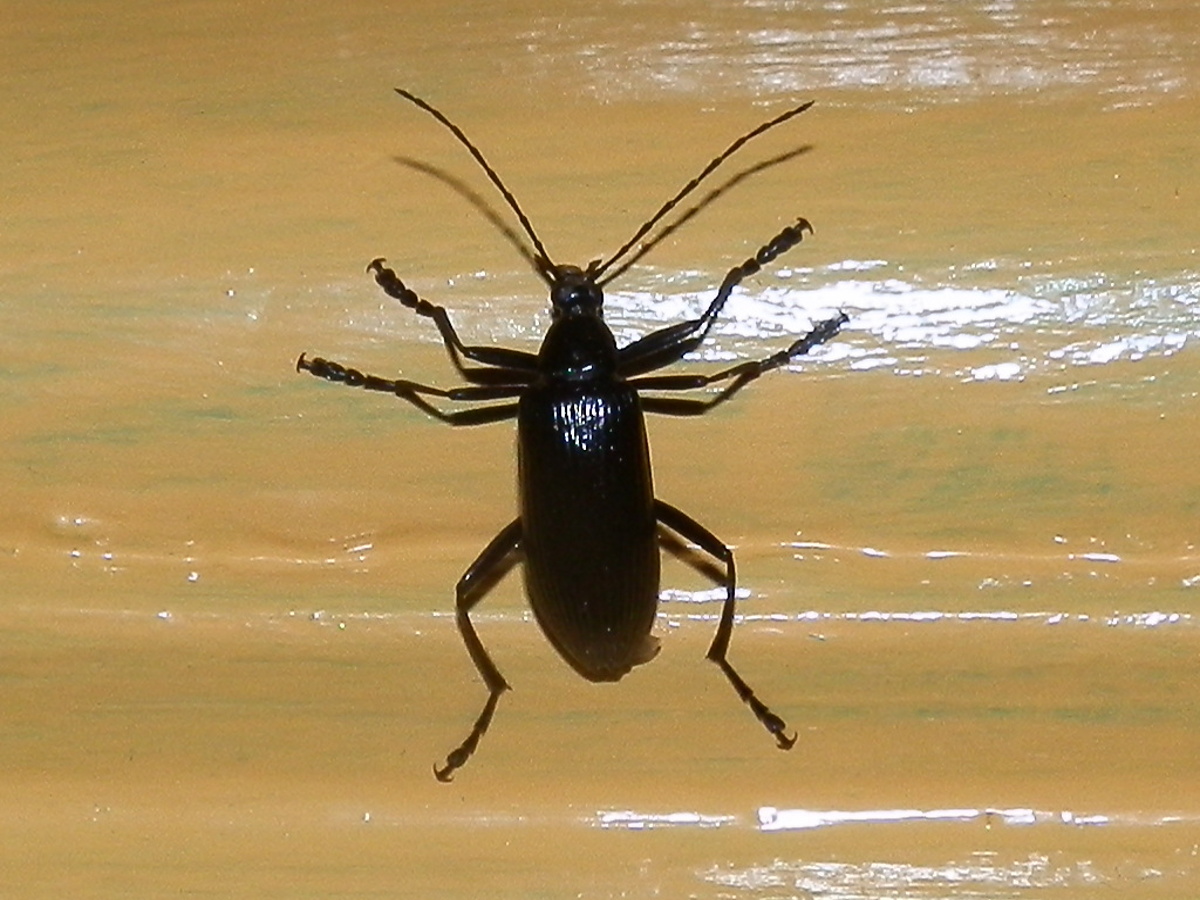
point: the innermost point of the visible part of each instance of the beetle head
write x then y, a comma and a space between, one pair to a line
574, 292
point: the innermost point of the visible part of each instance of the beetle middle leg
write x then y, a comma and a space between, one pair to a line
738, 376
718, 652
470, 590
415, 393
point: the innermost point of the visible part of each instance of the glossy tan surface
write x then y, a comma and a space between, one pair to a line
227, 654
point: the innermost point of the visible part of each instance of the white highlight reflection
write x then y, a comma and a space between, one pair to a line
982, 874
771, 818
914, 326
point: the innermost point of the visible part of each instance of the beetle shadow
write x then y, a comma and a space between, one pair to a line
481, 205
510, 234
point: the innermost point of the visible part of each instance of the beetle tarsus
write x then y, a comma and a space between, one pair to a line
770, 721
458, 757
773, 724
784, 241
396, 289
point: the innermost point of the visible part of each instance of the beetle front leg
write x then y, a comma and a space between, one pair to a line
470, 590
668, 345
687, 527
500, 357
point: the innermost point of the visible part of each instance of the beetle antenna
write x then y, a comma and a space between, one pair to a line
541, 260
631, 259
692, 185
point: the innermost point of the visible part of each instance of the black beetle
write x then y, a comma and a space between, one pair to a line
589, 522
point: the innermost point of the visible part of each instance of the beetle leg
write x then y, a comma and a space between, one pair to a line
413, 391
470, 590
667, 345
500, 357
684, 525
741, 375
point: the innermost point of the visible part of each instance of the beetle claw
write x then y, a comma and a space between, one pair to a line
775, 725
456, 760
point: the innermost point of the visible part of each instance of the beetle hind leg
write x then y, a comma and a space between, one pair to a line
481, 574
718, 651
